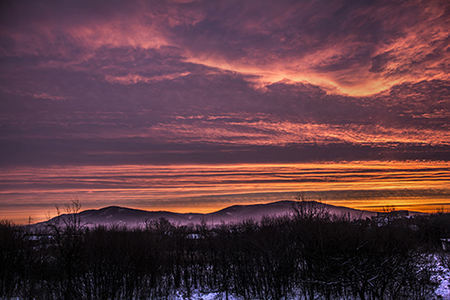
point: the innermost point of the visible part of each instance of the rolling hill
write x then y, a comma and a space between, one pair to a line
115, 215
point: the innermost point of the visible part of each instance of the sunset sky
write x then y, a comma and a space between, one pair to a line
197, 105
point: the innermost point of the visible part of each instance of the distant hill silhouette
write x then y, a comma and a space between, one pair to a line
115, 215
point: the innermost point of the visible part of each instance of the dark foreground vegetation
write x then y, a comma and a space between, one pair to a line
309, 255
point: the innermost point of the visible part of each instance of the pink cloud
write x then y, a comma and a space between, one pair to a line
135, 78
366, 51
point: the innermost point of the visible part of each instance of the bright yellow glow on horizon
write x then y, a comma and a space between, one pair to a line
207, 188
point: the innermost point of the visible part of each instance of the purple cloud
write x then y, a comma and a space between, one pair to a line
91, 83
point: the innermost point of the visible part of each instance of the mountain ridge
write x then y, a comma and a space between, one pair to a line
132, 217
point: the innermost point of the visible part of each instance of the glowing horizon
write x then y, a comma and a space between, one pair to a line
136, 103
206, 188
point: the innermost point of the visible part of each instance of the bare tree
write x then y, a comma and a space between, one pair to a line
307, 209
67, 232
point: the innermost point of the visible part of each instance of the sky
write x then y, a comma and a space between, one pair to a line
197, 105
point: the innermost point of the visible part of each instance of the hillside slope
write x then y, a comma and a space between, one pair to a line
115, 215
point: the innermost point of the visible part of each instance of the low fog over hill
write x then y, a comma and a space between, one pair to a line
114, 215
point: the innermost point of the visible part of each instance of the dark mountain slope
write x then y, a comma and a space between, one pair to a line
115, 215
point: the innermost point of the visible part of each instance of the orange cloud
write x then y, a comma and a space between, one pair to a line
174, 186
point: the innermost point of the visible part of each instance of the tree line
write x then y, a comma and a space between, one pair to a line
308, 254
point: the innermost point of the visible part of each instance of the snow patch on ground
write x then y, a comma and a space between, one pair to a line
443, 289
441, 293
198, 295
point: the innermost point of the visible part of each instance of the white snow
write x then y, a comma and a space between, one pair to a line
444, 277
198, 295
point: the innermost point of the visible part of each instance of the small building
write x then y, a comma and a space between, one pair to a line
384, 218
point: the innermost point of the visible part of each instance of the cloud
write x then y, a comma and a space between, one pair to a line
183, 187
186, 76
36, 96
333, 46
147, 103
348, 47
134, 78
